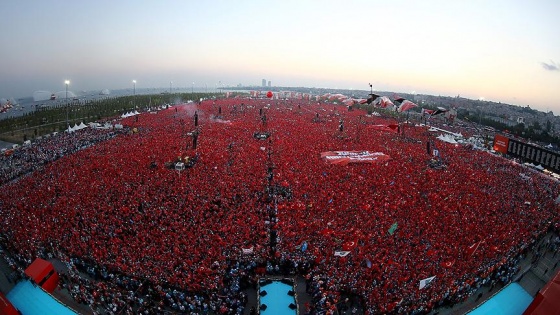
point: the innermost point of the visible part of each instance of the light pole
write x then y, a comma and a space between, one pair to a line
192, 88
170, 86
67, 82
134, 93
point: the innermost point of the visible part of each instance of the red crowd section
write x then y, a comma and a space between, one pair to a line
117, 204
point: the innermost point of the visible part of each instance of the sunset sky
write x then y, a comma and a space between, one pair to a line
507, 51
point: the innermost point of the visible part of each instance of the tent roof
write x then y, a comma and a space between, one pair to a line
38, 269
6, 307
547, 300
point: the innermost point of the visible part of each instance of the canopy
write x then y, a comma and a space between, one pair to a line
62, 94
547, 300
447, 138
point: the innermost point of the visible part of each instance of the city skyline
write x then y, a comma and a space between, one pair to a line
503, 51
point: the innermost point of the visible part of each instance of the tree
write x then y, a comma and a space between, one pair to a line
519, 128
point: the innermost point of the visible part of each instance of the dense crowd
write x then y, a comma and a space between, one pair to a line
28, 158
152, 237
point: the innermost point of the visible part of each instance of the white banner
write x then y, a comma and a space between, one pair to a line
247, 250
425, 282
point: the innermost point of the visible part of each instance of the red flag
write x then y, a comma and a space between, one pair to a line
350, 245
349, 102
389, 128
406, 105
383, 102
448, 264
427, 111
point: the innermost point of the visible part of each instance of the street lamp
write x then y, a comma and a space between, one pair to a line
170, 86
67, 82
192, 88
133, 93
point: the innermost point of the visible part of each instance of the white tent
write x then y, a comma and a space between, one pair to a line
447, 138
62, 94
130, 114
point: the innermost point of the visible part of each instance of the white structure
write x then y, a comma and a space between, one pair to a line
41, 96
179, 166
62, 94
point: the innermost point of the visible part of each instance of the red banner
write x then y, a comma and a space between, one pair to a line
390, 128
345, 157
501, 144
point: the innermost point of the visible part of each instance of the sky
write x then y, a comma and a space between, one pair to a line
501, 50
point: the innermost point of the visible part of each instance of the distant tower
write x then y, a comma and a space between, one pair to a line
269, 84
263, 82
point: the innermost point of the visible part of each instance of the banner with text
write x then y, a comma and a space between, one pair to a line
345, 157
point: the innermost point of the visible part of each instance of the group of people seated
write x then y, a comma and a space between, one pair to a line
151, 237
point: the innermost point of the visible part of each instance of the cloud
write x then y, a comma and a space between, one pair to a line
552, 66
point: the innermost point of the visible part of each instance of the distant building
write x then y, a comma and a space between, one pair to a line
269, 84
527, 152
507, 122
520, 120
263, 82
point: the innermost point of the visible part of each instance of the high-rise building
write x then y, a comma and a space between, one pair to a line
263, 82
269, 84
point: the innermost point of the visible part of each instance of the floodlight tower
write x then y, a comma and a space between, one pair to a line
134, 93
67, 82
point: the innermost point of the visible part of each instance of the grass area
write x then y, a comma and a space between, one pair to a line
53, 119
